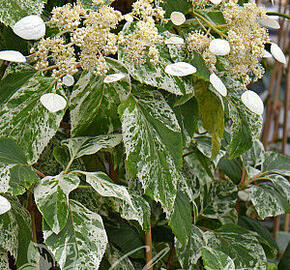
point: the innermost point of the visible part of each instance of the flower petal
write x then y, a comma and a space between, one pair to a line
114, 77
266, 54
219, 47
218, 84
253, 102
174, 41
53, 102
68, 80
216, 2
12, 56
177, 18
269, 22
5, 205
277, 53
30, 28
180, 69
244, 195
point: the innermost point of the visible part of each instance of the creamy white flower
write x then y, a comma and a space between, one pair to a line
128, 18
12, 56
180, 69
216, 2
30, 28
219, 46
244, 195
277, 53
269, 22
253, 102
114, 77
68, 80
218, 84
174, 41
266, 54
53, 102
177, 18
5, 205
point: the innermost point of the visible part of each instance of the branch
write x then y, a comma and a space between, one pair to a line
148, 243
279, 14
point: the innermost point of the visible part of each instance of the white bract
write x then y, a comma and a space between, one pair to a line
129, 18
216, 2
174, 41
253, 102
219, 47
53, 102
114, 77
266, 54
218, 84
30, 28
269, 22
12, 56
277, 53
244, 195
177, 18
68, 80
180, 69
5, 205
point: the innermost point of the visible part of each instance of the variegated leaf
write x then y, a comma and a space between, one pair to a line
4, 262
130, 206
216, 260
93, 106
16, 176
82, 243
153, 143
23, 117
13, 10
51, 197
256, 155
276, 162
15, 231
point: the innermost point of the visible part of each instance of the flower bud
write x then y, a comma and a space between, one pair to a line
244, 195
53, 102
216, 2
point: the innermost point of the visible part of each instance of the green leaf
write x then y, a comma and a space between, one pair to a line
153, 142
256, 155
276, 162
82, 146
15, 233
4, 261
131, 207
181, 219
216, 260
16, 175
82, 242
154, 73
178, 5
211, 113
93, 106
23, 117
241, 245
285, 261
271, 198
265, 238
232, 168
197, 61
89, 4
51, 197
13, 10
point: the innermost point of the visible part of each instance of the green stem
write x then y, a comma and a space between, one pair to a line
279, 14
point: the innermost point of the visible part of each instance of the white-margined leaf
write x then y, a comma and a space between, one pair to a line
153, 144
276, 162
131, 207
51, 197
23, 117
82, 243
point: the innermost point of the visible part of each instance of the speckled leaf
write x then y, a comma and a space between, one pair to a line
216, 260
131, 207
189, 253
271, 198
116, 260
277, 163
239, 244
93, 106
15, 231
153, 143
82, 146
256, 155
4, 262
16, 176
82, 243
154, 74
13, 10
51, 197
23, 117
246, 126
